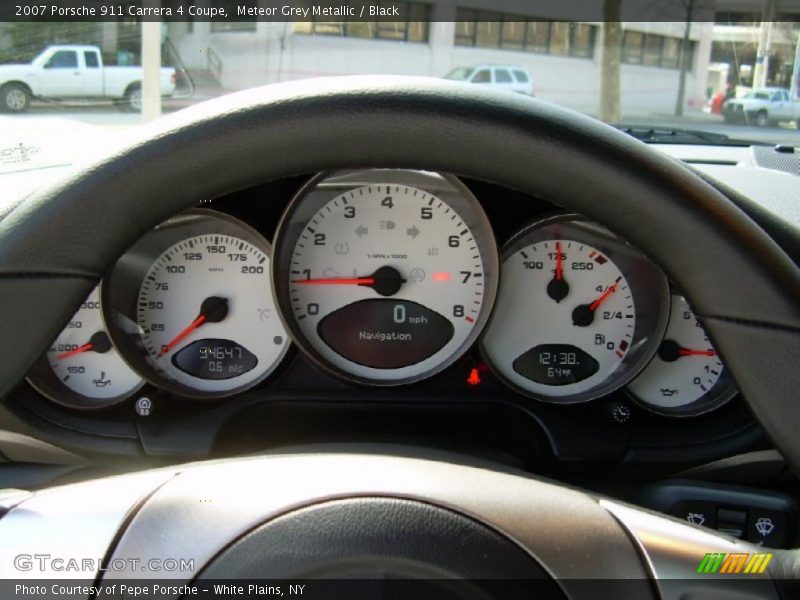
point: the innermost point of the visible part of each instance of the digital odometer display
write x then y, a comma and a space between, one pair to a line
385, 276
215, 359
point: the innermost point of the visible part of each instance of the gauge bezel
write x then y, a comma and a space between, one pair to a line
659, 307
44, 380
722, 392
120, 292
302, 207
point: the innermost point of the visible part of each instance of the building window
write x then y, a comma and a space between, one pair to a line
482, 29
632, 47
465, 27
413, 26
581, 42
487, 33
654, 50
670, 53
559, 39
512, 35
537, 36
242, 24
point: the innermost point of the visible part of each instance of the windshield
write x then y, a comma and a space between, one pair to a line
112, 74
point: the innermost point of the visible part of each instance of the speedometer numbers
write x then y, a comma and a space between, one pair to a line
81, 369
201, 320
579, 312
385, 276
686, 376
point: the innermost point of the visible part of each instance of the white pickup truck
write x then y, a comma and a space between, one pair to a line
74, 72
762, 107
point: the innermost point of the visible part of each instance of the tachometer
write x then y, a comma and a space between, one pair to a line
686, 376
81, 369
192, 306
578, 314
385, 276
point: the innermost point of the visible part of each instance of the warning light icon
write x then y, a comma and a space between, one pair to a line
474, 377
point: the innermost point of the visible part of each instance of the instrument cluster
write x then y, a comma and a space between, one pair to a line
385, 278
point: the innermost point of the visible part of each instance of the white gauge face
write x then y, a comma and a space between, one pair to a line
206, 314
567, 325
686, 370
83, 360
582, 337
389, 283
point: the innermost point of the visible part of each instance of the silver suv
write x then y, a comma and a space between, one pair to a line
501, 77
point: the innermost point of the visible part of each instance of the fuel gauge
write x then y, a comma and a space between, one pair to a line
81, 369
686, 376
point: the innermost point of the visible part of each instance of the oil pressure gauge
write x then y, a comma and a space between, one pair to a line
81, 369
686, 376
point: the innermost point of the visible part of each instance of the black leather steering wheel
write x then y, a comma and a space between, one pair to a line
746, 290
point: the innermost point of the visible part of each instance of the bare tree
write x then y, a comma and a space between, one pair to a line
612, 57
689, 9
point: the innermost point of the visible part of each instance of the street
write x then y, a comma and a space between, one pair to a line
46, 116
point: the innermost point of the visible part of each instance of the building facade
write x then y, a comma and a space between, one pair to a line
564, 58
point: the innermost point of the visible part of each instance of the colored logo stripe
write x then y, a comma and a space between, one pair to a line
721, 562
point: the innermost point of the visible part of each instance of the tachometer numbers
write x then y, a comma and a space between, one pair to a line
385, 276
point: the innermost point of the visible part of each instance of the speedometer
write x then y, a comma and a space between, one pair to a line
192, 306
385, 276
579, 312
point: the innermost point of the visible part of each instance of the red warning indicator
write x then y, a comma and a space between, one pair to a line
441, 276
474, 377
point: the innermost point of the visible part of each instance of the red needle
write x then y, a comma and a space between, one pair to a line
176, 340
559, 267
335, 281
593, 306
686, 352
84, 348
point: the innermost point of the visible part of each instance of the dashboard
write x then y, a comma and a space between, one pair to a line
367, 302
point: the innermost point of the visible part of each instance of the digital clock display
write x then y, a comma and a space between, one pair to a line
556, 364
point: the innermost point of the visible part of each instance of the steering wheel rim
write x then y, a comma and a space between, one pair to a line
589, 546
739, 281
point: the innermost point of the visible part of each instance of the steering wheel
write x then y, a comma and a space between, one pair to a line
343, 514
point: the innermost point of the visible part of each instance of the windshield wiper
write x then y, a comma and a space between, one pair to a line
669, 135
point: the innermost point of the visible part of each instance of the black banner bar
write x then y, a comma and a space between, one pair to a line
220, 11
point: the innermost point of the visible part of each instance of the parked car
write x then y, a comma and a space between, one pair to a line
501, 77
762, 107
74, 72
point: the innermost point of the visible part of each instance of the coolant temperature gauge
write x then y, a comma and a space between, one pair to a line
81, 369
687, 376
